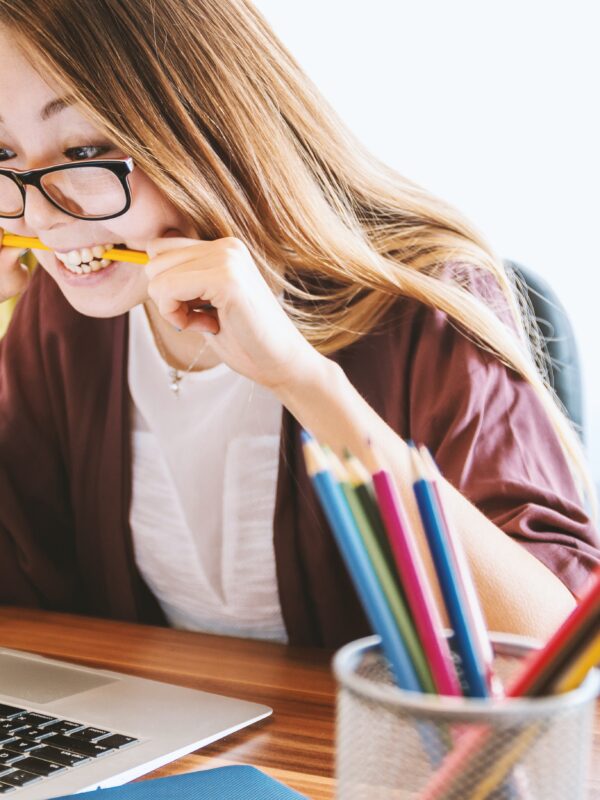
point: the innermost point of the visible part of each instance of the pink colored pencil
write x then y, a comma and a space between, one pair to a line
414, 580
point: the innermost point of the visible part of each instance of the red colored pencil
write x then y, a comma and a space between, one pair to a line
542, 666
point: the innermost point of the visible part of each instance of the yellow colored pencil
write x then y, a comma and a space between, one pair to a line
32, 243
498, 765
583, 663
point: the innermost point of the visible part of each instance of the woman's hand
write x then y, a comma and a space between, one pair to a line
14, 276
253, 334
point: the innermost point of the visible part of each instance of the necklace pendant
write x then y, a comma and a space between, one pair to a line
174, 379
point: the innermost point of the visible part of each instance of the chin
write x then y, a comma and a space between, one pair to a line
104, 294
98, 309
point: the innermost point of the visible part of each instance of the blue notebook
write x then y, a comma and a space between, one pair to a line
222, 783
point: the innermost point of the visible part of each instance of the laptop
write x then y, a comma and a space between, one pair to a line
66, 728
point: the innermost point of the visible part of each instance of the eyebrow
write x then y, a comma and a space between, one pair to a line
53, 107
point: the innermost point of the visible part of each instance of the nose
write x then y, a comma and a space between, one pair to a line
40, 214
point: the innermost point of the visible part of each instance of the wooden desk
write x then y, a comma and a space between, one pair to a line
295, 745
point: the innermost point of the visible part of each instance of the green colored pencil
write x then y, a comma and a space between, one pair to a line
385, 576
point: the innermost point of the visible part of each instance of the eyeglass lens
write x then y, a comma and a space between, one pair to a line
87, 192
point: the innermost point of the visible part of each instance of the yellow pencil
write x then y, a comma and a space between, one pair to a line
32, 243
588, 658
500, 763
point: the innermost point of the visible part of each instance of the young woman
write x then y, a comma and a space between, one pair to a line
150, 466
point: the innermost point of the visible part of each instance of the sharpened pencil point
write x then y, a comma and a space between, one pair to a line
306, 437
415, 461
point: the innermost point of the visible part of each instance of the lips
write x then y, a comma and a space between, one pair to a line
86, 259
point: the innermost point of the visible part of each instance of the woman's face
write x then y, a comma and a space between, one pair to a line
34, 134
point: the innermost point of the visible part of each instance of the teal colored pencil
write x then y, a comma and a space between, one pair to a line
347, 536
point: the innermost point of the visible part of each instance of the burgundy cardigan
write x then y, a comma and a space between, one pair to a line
65, 464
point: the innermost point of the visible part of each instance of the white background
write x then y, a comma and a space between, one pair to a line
493, 105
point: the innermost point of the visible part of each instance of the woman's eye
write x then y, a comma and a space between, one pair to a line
89, 151
5, 153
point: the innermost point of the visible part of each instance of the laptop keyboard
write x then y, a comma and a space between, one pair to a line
35, 746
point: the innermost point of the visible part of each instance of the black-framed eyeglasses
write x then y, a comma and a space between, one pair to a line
93, 190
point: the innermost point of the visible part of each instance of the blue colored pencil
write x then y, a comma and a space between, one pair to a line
357, 562
474, 669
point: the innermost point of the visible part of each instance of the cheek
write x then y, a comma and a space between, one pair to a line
149, 215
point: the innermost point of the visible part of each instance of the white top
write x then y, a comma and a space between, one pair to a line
204, 478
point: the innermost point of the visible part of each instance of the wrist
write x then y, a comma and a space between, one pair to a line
308, 376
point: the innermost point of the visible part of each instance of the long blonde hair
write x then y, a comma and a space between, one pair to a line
217, 112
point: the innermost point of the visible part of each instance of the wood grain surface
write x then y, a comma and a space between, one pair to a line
295, 745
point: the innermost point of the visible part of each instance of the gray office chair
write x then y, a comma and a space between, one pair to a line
558, 336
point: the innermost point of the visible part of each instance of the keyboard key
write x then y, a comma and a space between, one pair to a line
61, 757
39, 767
90, 734
21, 746
4, 738
19, 778
66, 726
35, 734
9, 728
9, 711
4, 788
77, 746
7, 758
117, 740
36, 720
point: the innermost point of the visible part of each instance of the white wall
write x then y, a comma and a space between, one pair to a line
494, 106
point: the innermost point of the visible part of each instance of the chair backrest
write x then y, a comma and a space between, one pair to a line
557, 333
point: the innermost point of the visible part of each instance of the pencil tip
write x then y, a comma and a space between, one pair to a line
306, 437
415, 460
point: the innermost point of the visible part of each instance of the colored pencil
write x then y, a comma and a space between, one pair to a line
544, 666
473, 667
537, 671
355, 558
414, 580
33, 243
463, 573
587, 659
361, 482
387, 580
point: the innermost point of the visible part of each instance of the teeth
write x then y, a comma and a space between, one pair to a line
86, 260
73, 258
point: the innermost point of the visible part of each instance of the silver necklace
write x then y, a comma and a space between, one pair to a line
175, 375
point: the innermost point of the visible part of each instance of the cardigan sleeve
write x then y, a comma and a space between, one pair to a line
492, 439
36, 542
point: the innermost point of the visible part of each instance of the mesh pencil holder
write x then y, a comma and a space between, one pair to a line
401, 745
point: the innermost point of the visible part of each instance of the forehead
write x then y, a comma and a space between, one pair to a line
19, 81
24, 93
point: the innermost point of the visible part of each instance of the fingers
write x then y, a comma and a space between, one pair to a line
156, 247
187, 319
14, 276
166, 253
183, 295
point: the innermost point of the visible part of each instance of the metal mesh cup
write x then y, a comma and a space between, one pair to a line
390, 743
